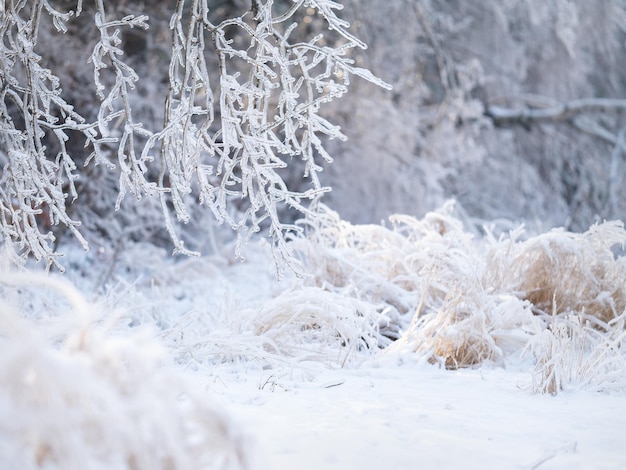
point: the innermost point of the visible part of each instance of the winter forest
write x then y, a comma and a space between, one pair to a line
312, 234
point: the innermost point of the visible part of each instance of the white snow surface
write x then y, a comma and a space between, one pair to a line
381, 412
407, 417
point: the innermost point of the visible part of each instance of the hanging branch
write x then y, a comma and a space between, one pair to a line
271, 92
116, 106
35, 184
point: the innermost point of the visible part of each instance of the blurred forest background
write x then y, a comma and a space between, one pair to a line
433, 138
476, 112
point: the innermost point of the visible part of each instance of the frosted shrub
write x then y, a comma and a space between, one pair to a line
76, 396
312, 324
575, 283
470, 329
460, 300
428, 275
371, 262
222, 139
567, 272
460, 319
483, 296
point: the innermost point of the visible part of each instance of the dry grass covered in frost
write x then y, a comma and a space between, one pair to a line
460, 300
303, 324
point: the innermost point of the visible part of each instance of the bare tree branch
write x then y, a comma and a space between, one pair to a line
502, 116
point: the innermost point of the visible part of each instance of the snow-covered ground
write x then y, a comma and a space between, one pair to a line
422, 417
92, 378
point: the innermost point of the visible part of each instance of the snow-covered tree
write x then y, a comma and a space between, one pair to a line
240, 102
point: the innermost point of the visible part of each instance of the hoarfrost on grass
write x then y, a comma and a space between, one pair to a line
76, 395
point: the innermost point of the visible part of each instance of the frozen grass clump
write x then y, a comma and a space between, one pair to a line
429, 274
380, 265
301, 324
576, 285
459, 300
572, 352
510, 292
73, 395
312, 324
565, 272
469, 330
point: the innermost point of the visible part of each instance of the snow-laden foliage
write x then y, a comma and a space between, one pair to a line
211, 311
300, 325
426, 288
75, 394
311, 323
219, 142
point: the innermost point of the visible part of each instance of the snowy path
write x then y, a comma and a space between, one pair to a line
404, 418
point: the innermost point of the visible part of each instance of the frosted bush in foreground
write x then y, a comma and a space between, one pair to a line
75, 396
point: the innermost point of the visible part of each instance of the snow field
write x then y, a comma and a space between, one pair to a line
415, 346
409, 417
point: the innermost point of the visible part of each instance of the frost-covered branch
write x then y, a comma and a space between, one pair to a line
38, 173
116, 109
227, 152
271, 91
558, 112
